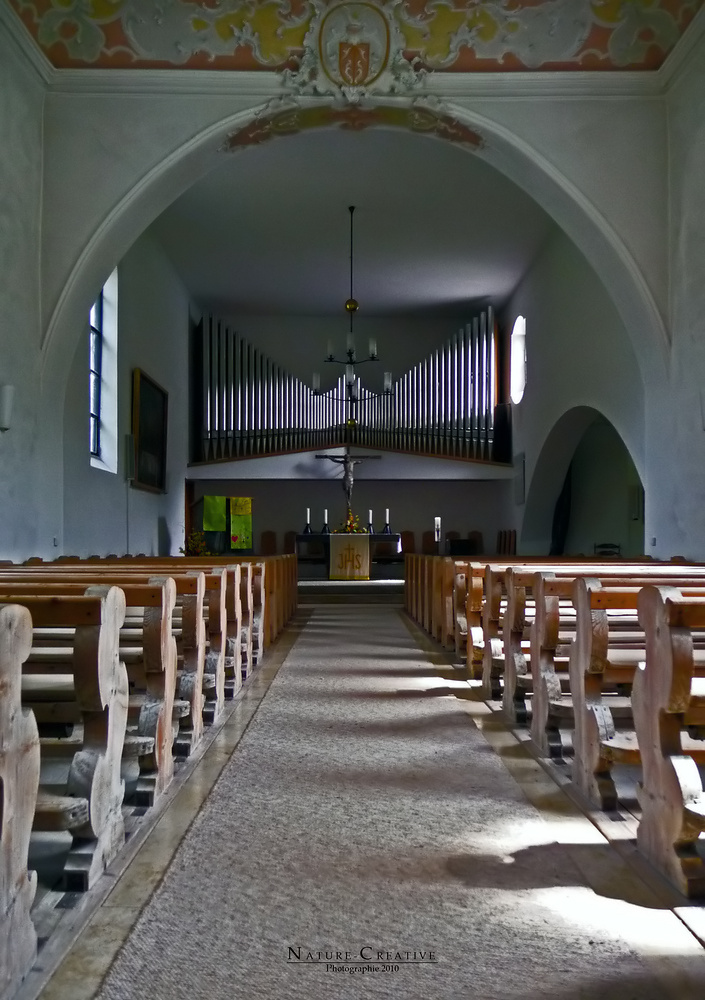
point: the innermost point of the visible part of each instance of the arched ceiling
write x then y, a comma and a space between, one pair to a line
436, 228
443, 35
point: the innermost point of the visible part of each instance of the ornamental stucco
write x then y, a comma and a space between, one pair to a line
444, 35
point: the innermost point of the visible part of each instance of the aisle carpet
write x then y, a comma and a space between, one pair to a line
364, 816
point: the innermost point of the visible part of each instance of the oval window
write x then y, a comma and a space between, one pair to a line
517, 360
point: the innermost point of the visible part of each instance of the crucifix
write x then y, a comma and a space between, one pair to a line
348, 463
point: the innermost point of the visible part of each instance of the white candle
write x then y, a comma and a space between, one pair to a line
386, 515
437, 527
325, 516
308, 515
351, 342
373, 347
369, 516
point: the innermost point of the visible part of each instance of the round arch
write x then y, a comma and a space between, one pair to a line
151, 193
549, 474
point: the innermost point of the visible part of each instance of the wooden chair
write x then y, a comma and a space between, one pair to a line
429, 546
268, 543
408, 542
607, 549
477, 543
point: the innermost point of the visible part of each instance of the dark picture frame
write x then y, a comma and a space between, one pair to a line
149, 431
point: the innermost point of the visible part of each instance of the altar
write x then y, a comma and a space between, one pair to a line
348, 556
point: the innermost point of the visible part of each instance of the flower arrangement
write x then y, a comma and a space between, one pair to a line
350, 526
195, 545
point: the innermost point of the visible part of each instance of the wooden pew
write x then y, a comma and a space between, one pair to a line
88, 800
668, 698
149, 652
19, 782
507, 590
190, 588
561, 611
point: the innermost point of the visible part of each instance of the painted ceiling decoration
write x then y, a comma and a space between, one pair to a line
435, 35
415, 118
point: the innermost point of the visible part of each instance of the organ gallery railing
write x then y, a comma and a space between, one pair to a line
449, 404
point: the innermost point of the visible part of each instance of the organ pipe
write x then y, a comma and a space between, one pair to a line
445, 404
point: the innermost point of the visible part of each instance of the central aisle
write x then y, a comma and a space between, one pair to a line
364, 812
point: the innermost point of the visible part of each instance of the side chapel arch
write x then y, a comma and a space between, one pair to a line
550, 471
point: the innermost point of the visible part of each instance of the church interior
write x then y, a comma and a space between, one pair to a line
352, 429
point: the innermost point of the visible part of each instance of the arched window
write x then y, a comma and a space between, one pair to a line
102, 375
517, 376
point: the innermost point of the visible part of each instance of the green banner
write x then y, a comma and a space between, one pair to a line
240, 522
214, 511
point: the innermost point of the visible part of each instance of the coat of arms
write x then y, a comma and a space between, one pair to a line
354, 49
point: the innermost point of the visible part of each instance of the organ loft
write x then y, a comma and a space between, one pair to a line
352, 535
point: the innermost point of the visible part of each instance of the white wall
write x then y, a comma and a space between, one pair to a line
578, 355
21, 102
102, 514
281, 505
675, 474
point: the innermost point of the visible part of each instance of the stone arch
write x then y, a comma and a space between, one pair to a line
151, 193
504, 150
549, 475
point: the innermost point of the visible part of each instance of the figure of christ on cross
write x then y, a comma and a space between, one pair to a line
348, 463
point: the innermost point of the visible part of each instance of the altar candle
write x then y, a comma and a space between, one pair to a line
386, 515
308, 515
437, 527
369, 516
325, 516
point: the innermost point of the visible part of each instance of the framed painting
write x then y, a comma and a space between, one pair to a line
149, 426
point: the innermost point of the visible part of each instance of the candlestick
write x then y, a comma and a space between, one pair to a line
386, 530
325, 530
307, 529
437, 528
370, 528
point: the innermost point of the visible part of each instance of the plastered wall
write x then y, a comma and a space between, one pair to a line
102, 513
578, 355
22, 493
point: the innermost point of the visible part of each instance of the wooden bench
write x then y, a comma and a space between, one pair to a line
569, 634
189, 632
19, 782
148, 648
668, 698
510, 609
81, 788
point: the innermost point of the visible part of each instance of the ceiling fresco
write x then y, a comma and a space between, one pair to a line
438, 35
